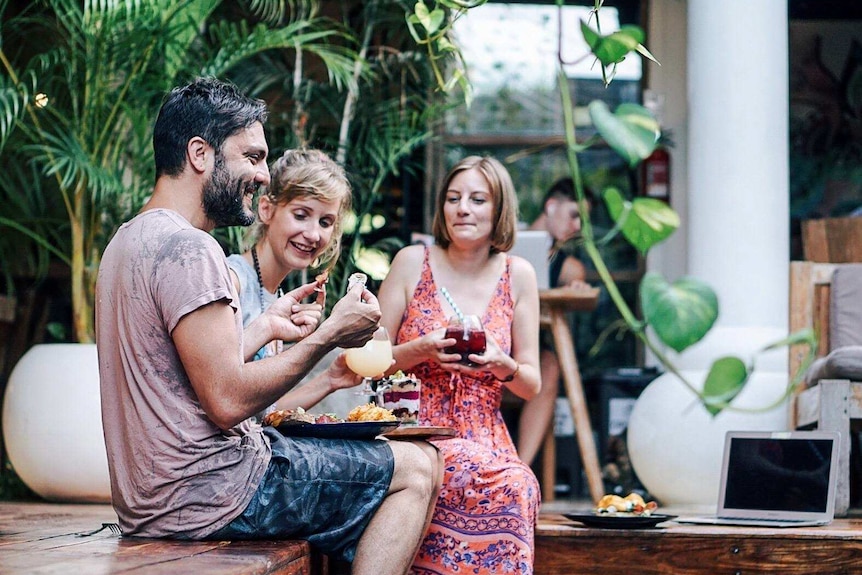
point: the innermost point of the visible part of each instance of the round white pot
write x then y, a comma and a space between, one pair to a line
52, 423
676, 445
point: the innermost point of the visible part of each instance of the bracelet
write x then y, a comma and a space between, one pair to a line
513, 374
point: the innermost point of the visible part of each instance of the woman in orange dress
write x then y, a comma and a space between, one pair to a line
486, 512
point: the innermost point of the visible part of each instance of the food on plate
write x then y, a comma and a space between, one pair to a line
288, 417
328, 418
401, 396
297, 416
630, 505
370, 412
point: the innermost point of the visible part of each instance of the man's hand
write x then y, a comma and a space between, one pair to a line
354, 318
292, 320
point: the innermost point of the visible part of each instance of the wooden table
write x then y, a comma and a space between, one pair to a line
555, 303
564, 547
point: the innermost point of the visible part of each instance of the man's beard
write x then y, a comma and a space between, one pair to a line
223, 198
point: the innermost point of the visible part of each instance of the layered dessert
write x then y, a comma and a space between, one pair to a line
401, 396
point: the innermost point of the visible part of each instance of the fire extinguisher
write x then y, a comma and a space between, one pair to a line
655, 175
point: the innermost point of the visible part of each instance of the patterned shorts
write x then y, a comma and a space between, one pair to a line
322, 490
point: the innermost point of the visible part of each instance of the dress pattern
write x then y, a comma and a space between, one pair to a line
486, 513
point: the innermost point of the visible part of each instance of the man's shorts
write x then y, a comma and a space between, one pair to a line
322, 490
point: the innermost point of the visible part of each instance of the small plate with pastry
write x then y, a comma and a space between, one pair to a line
616, 512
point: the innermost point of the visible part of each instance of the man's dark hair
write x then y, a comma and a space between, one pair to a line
564, 188
209, 108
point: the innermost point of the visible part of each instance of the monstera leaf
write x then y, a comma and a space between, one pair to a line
680, 313
643, 221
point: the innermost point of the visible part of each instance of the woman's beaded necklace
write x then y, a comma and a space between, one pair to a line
260, 279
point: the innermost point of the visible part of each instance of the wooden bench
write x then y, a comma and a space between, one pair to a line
564, 547
829, 404
59, 538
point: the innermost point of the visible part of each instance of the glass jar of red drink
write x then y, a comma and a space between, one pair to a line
469, 336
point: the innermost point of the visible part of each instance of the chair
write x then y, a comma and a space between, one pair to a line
828, 298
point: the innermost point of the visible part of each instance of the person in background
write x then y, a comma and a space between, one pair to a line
186, 459
299, 225
561, 217
485, 515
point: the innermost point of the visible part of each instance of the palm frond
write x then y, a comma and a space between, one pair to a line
237, 43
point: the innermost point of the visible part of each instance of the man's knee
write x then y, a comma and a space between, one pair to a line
417, 466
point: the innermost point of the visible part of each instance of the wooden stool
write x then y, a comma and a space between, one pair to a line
555, 303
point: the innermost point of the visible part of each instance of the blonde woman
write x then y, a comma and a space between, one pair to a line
299, 226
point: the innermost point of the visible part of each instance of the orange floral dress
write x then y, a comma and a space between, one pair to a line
485, 516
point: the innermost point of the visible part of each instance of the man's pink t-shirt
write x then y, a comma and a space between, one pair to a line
173, 471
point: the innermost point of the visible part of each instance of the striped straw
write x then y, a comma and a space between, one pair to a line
452, 303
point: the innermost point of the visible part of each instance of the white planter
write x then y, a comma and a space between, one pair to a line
676, 446
52, 423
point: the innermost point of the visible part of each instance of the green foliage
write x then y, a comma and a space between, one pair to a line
680, 313
725, 380
631, 130
644, 222
78, 110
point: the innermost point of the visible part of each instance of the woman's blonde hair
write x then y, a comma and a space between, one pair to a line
309, 173
502, 195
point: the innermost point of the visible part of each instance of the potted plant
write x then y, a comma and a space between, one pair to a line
76, 120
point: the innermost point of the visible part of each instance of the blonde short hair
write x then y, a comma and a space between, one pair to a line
309, 173
502, 195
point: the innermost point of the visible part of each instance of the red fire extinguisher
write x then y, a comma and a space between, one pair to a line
655, 175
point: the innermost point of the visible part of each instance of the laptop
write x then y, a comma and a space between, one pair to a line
776, 479
534, 246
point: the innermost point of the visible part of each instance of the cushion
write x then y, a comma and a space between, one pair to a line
842, 363
845, 308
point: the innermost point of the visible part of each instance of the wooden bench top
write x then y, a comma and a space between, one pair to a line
564, 547
49, 538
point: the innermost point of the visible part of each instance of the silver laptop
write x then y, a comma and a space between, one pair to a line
533, 246
776, 479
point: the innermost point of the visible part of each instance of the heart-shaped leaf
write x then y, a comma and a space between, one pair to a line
680, 314
632, 131
614, 47
726, 378
430, 20
644, 222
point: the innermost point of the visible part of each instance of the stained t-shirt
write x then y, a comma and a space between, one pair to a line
173, 471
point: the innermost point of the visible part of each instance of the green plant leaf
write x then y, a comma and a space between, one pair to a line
726, 378
644, 222
430, 20
803, 336
681, 313
632, 131
614, 47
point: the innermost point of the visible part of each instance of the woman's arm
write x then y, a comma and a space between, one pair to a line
525, 332
336, 376
394, 295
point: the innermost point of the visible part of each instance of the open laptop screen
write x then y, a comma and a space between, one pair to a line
778, 474
533, 246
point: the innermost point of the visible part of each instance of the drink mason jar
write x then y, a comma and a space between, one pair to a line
469, 336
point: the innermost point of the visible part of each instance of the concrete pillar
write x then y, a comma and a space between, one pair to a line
737, 241
738, 205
